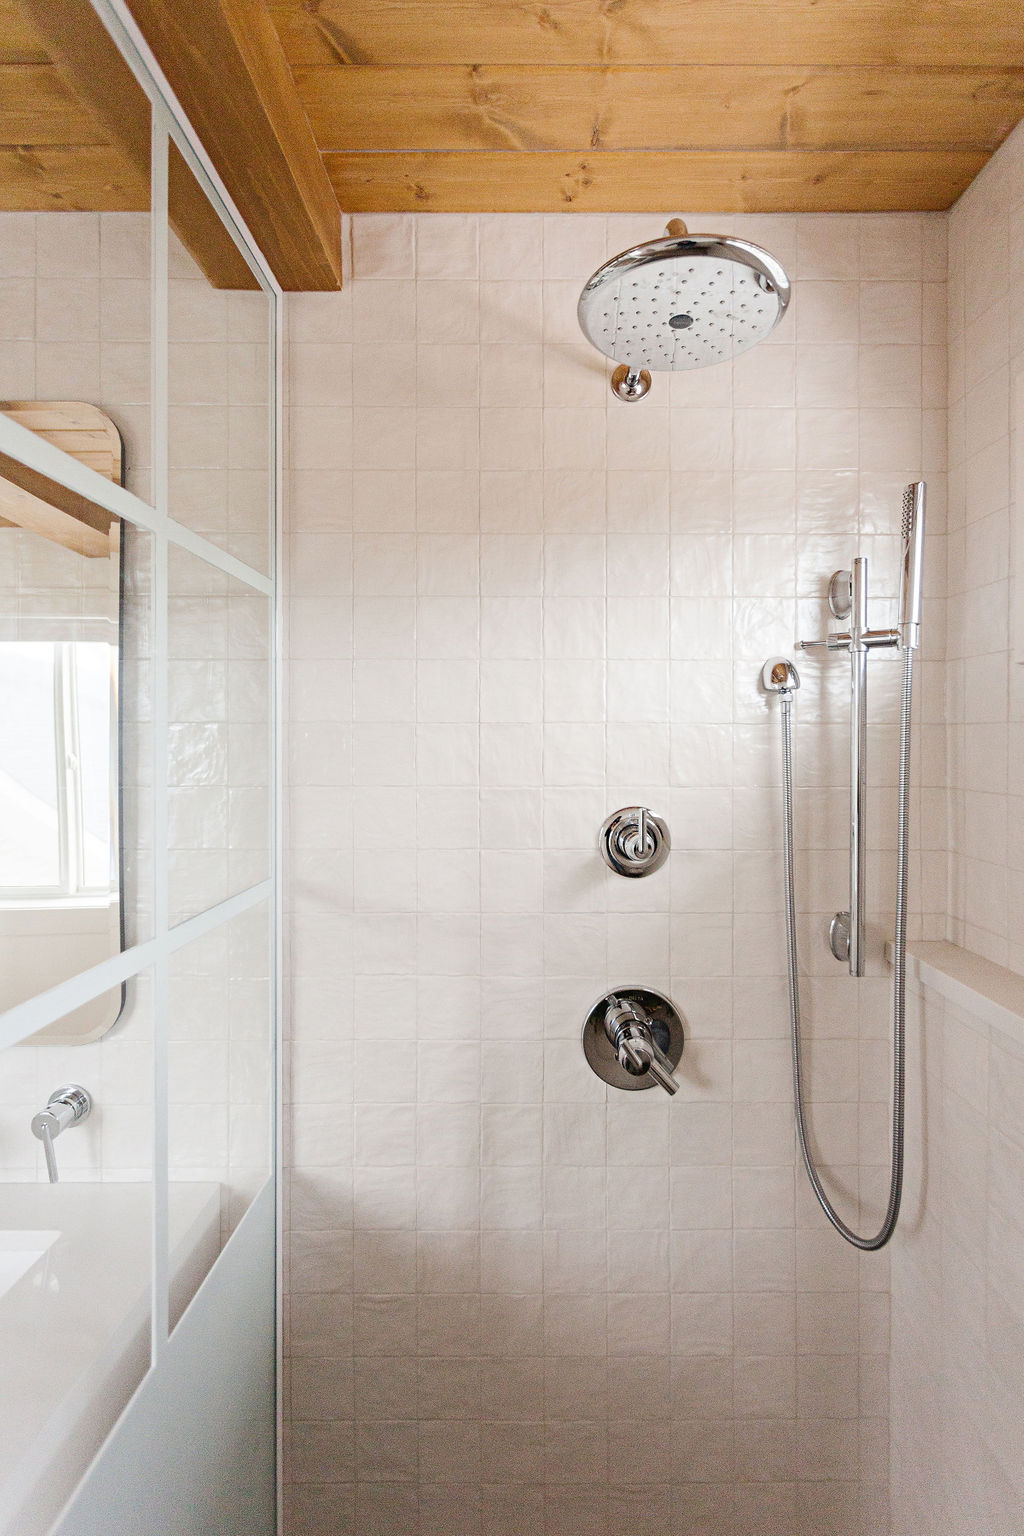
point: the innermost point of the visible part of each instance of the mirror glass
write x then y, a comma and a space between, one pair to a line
61, 907
75, 369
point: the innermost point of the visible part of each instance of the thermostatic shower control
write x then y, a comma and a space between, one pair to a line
633, 1039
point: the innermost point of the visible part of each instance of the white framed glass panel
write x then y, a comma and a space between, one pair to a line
220, 436
179, 1133
219, 737
220, 1062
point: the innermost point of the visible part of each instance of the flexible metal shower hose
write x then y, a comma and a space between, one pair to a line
868, 1244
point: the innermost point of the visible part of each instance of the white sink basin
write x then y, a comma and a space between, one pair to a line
18, 1252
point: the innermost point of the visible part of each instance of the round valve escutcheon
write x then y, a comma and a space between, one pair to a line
633, 1039
634, 842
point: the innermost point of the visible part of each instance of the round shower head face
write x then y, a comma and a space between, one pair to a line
683, 302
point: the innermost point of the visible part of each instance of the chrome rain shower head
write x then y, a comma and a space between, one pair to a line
684, 301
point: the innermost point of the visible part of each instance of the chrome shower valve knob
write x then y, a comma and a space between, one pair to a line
634, 842
631, 1032
633, 1039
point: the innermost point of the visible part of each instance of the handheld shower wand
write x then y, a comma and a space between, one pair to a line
779, 676
909, 623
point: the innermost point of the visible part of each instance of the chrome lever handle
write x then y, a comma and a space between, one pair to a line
629, 1029
66, 1106
633, 1038
646, 1056
45, 1134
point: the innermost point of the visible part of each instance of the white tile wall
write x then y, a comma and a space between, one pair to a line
986, 701
518, 1300
958, 1345
958, 1329
74, 318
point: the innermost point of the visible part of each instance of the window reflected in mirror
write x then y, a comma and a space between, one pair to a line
74, 669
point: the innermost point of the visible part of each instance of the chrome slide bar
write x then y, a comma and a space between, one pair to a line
858, 763
848, 599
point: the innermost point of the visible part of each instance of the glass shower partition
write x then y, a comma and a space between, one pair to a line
138, 855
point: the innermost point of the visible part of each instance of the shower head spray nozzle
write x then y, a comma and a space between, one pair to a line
684, 301
909, 623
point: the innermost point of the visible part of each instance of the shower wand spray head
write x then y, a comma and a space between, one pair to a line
909, 623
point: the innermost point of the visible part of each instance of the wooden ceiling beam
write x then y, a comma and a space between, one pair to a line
789, 181
19, 42
226, 65
886, 33
530, 107
114, 176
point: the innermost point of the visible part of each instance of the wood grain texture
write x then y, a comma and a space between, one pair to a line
225, 63
198, 226
529, 107
77, 428
55, 154
75, 179
19, 40
102, 89
34, 502
888, 33
797, 181
36, 107
538, 105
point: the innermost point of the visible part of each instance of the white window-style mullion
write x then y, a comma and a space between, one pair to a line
17, 1024
69, 758
60, 770
159, 235
178, 534
36, 453
277, 336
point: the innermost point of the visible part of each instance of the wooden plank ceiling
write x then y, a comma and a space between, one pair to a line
517, 105
538, 105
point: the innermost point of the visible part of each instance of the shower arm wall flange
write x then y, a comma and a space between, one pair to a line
630, 384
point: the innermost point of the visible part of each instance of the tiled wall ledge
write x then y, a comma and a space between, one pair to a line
987, 993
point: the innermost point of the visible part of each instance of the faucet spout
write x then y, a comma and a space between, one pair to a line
65, 1106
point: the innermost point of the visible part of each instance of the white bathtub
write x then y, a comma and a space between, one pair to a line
75, 1324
